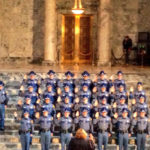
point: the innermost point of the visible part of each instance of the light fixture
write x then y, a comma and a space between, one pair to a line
77, 9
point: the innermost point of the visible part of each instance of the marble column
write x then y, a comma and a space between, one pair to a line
104, 53
50, 32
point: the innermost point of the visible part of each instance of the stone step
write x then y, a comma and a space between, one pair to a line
17, 146
36, 146
36, 138
16, 138
15, 132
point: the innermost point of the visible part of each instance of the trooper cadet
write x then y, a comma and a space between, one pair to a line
27, 106
103, 128
32, 94
142, 129
47, 105
25, 131
51, 92
31, 80
66, 104
103, 104
67, 92
101, 93
66, 128
85, 105
118, 107
141, 104
69, 80
139, 91
121, 92
85, 80
97, 106
52, 80
85, 91
46, 129
84, 121
123, 128
101, 80
119, 80
3, 103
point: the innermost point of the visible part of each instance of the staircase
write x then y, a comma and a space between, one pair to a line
9, 140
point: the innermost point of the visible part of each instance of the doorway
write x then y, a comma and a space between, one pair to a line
76, 39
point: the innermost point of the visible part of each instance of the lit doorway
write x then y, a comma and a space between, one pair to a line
76, 39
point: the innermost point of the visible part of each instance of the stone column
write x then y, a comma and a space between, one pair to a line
50, 32
104, 53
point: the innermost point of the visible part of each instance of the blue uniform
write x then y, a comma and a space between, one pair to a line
100, 82
117, 83
119, 109
64, 106
33, 95
3, 101
29, 108
87, 106
83, 94
26, 129
45, 131
138, 106
119, 94
82, 82
54, 82
84, 123
70, 83
50, 108
104, 106
103, 126
142, 128
29, 82
123, 125
66, 128
101, 94
52, 95
69, 94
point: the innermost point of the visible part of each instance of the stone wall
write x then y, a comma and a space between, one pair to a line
16, 25
124, 22
22, 25
144, 17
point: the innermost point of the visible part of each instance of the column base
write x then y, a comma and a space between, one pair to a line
104, 64
48, 63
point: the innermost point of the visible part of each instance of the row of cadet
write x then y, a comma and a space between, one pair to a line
75, 95
101, 100
101, 126
99, 107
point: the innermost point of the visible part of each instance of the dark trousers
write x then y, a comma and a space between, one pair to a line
141, 140
2, 116
126, 51
123, 139
65, 139
102, 140
45, 140
25, 141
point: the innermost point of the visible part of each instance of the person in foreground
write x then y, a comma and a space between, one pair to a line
82, 141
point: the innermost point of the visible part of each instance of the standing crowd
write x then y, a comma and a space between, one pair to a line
99, 106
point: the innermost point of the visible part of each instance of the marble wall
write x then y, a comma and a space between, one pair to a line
22, 25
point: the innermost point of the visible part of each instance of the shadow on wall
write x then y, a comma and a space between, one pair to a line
38, 31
